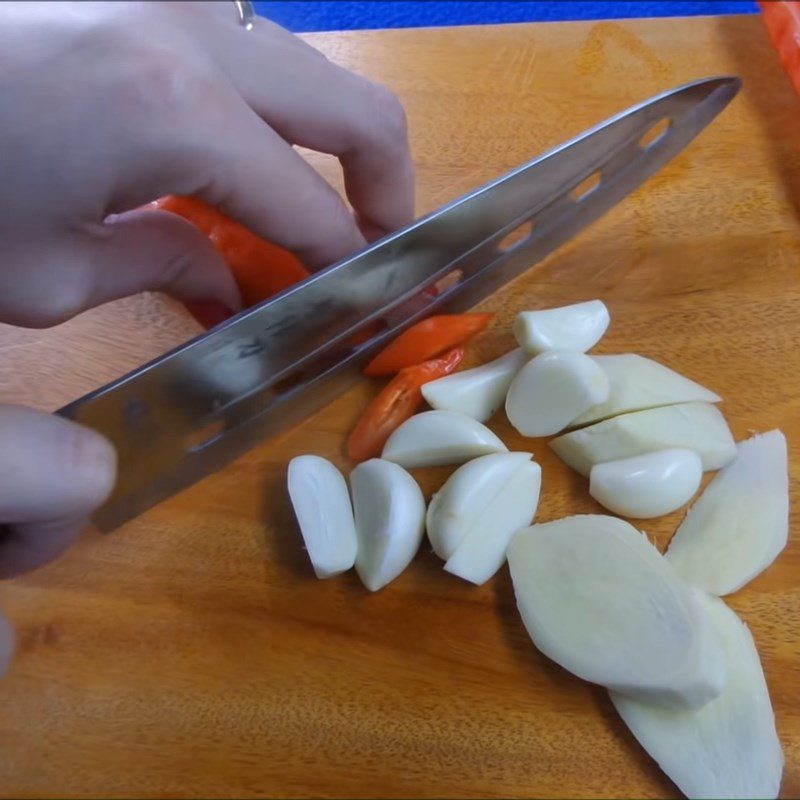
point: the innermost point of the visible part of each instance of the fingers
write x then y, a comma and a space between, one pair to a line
53, 474
260, 180
314, 103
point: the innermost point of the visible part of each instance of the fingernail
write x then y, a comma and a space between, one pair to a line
209, 313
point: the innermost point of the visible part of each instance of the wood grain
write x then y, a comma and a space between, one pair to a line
193, 653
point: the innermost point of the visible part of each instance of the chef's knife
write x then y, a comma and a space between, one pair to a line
193, 410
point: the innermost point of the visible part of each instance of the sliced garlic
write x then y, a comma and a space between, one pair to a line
440, 437
694, 426
552, 389
389, 520
577, 327
741, 521
482, 551
473, 516
647, 486
322, 506
638, 383
477, 392
454, 509
599, 599
729, 748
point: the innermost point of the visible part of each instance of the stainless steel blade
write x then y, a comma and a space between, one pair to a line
188, 413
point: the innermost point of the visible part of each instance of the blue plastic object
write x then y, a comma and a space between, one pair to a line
331, 15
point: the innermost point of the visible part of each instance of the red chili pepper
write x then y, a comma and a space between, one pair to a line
425, 340
782, 20
398, 401
261, 269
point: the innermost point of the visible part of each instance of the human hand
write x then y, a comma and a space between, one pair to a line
107, 106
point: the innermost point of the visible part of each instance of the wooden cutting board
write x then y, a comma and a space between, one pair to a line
193, 653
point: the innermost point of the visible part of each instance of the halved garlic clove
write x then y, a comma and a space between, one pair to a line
577, 327
740, 523
727, 748
482, 550
638, 383
552, 389
599, 599
472, 518
454, 509
440, 437
647, 486
477, 392
322, 506
389, 520
694, 426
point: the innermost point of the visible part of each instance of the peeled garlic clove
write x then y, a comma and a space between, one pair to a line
638, 383
474, 486
577, 327
440, 437
727, 748
647, 486
694, 426
482, 551
477, 392
741, 521
552, 389
389, 520
596, 597
322, 506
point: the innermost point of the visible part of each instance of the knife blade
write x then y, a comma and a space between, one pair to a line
198, 407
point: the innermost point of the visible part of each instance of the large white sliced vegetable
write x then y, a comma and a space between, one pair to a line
552, 389
729, 748
638, 383
695, 426
647, 486
390, 520
440, 437
577, 327
481, 506
600, 600
477, 392
741, 521
322, 506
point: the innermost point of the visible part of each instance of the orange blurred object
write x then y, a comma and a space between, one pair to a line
398, 401
782, 20
261, 269
426, 340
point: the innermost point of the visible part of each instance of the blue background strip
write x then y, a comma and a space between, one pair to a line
329, 15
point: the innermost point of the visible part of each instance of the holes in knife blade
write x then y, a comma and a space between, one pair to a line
585, 187
655, 133
448, 281
517, 237
204, 436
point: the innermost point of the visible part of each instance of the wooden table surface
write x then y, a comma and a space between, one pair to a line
193, 653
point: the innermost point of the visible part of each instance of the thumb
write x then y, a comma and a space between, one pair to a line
150, 250
53, 474
141, 250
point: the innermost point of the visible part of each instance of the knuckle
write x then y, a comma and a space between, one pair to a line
337, 222
55, 308
389, 116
